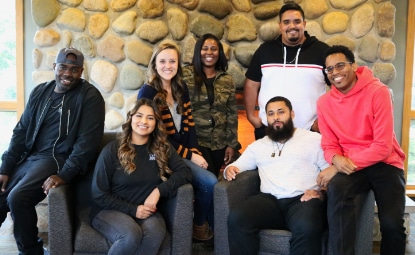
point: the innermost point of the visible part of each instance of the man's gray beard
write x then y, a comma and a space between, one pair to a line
281, 134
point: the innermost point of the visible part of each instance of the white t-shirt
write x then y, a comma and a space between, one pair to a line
291, 173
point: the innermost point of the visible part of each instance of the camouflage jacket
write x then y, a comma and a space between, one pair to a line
223, 112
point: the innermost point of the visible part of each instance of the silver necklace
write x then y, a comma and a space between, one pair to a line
295, 58
54, 107
292, 61
278, 148
58, 105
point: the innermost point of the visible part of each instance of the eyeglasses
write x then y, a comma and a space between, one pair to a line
339, 66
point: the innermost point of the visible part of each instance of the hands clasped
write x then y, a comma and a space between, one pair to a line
344, 164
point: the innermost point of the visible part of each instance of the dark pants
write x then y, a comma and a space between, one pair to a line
259, 132
306, 221
214, 158
23, 192
388, 185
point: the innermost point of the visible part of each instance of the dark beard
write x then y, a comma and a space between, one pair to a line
280, 134
293, 39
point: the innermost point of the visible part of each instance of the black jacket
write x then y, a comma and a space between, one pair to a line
81, 129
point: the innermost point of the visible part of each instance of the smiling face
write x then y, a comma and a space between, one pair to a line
209, 53
66, 75
292, 27
344, 79
143, 123
167, 62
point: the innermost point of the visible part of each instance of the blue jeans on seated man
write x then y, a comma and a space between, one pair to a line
203, 183
388, 184
23, 192
130, 235
306, 220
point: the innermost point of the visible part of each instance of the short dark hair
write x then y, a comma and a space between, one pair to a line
280, 99
291, 7
340, 49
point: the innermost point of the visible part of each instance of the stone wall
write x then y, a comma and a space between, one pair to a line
117, 36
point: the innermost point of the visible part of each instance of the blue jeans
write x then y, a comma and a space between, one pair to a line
203, 183
388, 185
130, 235
23, 192
306, 221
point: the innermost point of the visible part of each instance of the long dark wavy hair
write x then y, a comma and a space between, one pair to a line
157, 142
221, 64
153, 78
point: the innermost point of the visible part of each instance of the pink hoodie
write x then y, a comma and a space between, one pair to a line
359, 124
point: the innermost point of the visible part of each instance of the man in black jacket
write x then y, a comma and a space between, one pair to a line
56, 138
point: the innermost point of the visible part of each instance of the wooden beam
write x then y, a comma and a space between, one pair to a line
409, 65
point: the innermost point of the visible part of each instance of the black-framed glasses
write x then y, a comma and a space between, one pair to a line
339, 66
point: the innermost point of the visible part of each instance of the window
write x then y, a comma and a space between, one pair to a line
11, 68
408, 122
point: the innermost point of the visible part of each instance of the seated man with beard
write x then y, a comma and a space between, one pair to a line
289, 160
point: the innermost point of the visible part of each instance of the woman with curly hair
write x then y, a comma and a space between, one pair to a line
166, 88
212, 95
131, 174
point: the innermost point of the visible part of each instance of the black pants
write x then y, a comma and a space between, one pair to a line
259, 132
306, 221
388, 184
23, 192
214, 158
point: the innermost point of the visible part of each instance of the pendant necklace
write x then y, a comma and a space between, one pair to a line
295, 58
278, 148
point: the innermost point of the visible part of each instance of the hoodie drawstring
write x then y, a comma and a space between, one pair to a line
296, 56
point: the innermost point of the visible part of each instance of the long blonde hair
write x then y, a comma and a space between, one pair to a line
153, 78
157, 143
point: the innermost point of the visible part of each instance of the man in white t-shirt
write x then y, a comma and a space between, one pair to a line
289, 160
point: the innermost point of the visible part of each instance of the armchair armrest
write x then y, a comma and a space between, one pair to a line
178, 214
364, 211
364, 224
225, 196
60, 235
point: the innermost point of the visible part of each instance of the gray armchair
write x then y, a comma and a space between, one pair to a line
70, 231
227, 194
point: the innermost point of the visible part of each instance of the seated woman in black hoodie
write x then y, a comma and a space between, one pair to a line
131, 174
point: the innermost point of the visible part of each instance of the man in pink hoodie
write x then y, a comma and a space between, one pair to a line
356, 123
